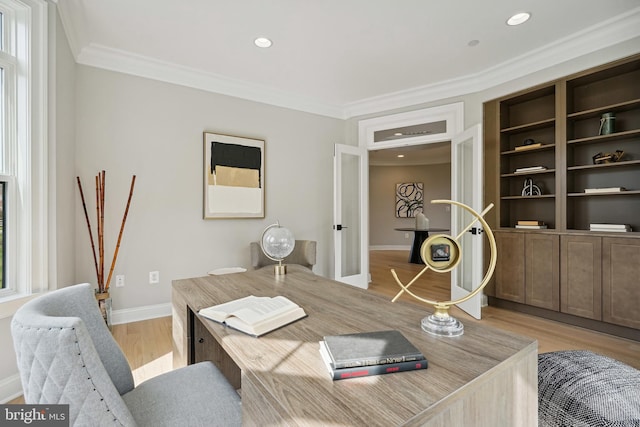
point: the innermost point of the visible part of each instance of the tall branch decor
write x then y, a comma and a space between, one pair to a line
98, 254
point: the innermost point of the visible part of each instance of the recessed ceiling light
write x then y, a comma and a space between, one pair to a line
398, 134
262, 42
519, 18
400, 156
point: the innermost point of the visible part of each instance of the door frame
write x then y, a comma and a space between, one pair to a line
452, 114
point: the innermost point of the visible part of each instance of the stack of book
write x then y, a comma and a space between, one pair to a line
616, 228
604, 190
531, 169
369, 353
531, 224
529, 146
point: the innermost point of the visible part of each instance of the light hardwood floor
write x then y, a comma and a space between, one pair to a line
148, 344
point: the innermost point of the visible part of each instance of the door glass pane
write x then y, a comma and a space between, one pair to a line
351, 215
465, 183
423, 129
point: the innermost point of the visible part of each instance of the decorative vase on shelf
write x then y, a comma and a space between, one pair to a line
422, 222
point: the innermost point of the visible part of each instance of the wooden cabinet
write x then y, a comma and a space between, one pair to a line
510, 270
541, 146
621, 281
205, 347
581, 276
528, 270
542, 281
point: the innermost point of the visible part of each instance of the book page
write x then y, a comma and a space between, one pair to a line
250, 310
262, 308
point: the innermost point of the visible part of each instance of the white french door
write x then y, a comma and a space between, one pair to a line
467, 188
350, 215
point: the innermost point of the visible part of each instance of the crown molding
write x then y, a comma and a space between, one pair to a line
142, 66
607, 33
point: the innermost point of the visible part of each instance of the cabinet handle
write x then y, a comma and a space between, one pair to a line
201, 340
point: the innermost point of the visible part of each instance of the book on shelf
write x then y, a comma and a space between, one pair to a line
528, 147
530, 222
604, 190
610, 227
369, 370
370, 348
532, 227
530, 169
255, 315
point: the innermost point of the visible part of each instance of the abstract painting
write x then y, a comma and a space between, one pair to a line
233, 177
409, 199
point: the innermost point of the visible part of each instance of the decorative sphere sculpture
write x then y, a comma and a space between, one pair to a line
277, 243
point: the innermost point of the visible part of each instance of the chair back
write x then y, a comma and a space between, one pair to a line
66, 354
304, 253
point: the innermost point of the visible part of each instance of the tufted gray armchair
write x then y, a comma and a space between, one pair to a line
67, 355
304, 253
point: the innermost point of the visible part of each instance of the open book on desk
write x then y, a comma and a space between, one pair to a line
255, 315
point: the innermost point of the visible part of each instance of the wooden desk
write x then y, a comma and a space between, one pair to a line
486, 377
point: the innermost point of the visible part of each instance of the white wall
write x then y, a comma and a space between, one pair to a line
129, 125
382, 184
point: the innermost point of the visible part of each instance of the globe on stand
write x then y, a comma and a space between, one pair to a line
277, 243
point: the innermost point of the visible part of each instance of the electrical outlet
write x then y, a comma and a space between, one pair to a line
119, 280
154, 277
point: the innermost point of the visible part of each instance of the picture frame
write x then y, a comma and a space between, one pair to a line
233, 177
409, 199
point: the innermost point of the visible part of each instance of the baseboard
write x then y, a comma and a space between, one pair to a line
128, 315
390, 248
10, 388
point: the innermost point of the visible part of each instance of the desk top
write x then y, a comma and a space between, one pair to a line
285, 365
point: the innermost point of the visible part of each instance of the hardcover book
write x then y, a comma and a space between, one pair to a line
255, 315
370, 348
364, 371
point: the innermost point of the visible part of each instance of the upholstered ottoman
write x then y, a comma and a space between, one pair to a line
581, 388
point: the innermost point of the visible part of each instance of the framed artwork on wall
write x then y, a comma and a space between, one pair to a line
409, 199
233, 177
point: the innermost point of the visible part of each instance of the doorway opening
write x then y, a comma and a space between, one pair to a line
391, 234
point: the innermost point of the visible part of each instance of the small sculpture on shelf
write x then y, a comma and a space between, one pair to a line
530, 189
601, 157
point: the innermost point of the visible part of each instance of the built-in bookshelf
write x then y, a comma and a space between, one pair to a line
527, 138
547, 138
576, 142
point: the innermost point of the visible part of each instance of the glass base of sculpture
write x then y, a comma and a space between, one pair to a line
442, 326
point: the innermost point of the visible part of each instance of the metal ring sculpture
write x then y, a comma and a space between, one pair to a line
440, 322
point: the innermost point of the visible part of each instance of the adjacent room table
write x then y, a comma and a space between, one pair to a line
419, 236
486, 377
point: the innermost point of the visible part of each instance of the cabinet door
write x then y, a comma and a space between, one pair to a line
205, 347
581, 276
542, 252
620, 276
510, 266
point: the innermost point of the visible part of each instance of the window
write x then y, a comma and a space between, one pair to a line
23, 155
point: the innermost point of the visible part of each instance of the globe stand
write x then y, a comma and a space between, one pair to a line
280, 269
442, 253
